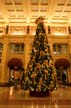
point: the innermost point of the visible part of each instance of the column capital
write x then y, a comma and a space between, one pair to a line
6, 41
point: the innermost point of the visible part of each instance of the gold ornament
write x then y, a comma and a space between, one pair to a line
33, 75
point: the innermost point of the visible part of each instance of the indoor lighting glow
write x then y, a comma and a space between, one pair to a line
11, 91
57, 33
33, 33
28, 21
1, 34
17, 33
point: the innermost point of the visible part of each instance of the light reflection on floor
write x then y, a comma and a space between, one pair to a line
36, 106
60, 98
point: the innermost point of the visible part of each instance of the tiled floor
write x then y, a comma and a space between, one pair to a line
11, 98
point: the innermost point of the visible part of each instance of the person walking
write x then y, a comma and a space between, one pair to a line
64, 77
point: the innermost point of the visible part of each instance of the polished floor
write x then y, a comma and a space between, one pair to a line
11, 98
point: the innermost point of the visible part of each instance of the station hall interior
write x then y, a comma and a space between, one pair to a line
17, 32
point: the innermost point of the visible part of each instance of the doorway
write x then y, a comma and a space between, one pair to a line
62, 65
60, 72
14, 64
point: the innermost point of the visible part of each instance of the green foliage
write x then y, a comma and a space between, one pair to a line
40, 75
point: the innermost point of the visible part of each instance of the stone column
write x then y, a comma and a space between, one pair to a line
69, 72
26, 54
4, 73
51, 48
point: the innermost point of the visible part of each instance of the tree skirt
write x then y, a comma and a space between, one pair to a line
39, 94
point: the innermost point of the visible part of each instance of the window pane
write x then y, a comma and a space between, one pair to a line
1, 49
65, 50
17, 48
54, 49
60, 48
12, 47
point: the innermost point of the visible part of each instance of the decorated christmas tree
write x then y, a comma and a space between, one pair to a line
40, 76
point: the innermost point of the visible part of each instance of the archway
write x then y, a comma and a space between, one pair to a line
61, 65
62, 62
14, 64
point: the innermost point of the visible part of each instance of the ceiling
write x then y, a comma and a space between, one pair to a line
25, 12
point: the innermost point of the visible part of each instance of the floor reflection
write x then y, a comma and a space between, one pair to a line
11, 98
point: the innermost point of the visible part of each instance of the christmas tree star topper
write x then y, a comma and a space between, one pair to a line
39, 20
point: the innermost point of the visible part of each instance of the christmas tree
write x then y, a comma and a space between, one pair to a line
40, 75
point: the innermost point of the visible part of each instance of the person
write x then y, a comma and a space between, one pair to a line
64, 77
22, 81
16, 78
